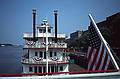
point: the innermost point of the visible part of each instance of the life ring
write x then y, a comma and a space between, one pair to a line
30, 42
54, 58
37, 59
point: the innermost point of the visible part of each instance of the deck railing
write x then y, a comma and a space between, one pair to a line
43, 61
30, 35
50, 45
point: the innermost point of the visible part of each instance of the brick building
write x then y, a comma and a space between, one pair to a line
113, 23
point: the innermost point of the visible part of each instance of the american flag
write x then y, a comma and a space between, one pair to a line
98, 57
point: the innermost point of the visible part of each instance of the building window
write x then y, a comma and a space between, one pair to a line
36, 54
55, 54
50, 53
61, 68
30, 69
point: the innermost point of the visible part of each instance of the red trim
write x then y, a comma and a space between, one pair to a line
54, 73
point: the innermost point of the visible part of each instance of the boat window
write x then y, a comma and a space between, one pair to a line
40, 69
28, 54
28, 51
44, 69
52, 40
52, 68
48, 68
40, 53
63, 54
35, 69
49, 30
40, 30
44, 31
55, 54
61, 68
36, 54
56, 68
50, 53
30, 69
44, 55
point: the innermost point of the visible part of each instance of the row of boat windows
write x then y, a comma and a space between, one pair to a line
44, 30
43, 54
39, 69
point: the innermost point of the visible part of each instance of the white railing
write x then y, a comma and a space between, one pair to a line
50, 45
26, 35
43, 61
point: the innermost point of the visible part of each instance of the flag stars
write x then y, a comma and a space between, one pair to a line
94, 38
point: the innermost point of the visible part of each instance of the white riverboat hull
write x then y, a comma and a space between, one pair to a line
87, 75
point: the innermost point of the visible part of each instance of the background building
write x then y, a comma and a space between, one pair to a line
76, 34
112, 23
73, 40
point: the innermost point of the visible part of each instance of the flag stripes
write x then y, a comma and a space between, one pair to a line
98, 58
103, 58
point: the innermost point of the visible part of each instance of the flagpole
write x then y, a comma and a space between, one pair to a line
46, 48
104, 41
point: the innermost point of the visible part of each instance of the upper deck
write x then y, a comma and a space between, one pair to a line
41, 35
44, 30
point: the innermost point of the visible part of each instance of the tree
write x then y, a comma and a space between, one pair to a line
82, 42
106, 32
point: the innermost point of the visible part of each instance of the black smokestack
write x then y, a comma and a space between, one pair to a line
55, 13
34, 20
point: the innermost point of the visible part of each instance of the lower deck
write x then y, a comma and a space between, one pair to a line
42, 68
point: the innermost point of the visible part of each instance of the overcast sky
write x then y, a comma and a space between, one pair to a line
16, 15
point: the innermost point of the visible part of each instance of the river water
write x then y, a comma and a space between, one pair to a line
10, 60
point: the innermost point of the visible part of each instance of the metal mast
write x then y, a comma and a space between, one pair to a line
46, 24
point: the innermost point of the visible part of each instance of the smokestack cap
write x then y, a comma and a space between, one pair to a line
55, 11
34, 10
